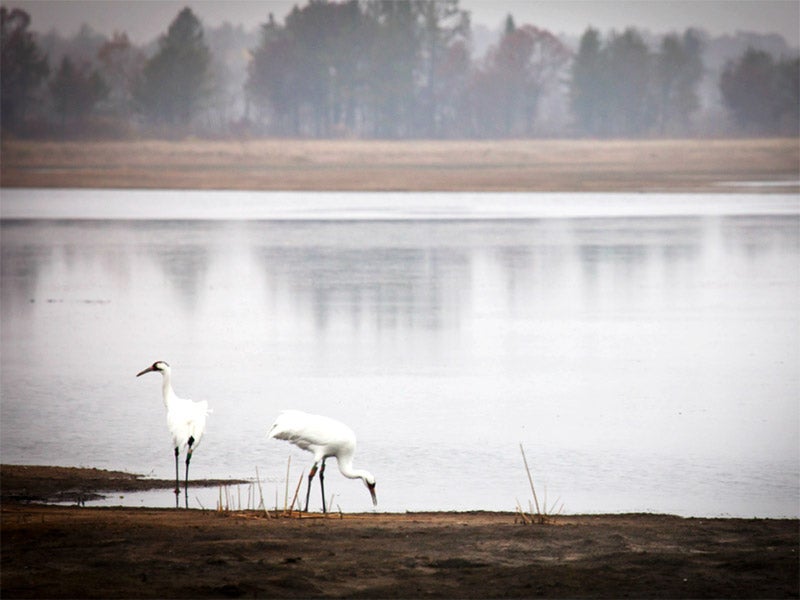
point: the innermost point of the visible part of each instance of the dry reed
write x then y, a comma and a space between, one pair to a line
542, 514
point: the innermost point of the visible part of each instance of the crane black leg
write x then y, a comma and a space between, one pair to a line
186, 483
322, 484
177, 487
311, 474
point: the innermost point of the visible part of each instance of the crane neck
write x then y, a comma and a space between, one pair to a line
166, 388
346, 468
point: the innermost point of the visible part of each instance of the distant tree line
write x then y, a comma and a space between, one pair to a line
383, 69
762, 92
619, 88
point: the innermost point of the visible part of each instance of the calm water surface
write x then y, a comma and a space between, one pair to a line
643, 348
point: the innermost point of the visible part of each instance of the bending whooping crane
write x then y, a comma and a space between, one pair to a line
186, 421
323, 437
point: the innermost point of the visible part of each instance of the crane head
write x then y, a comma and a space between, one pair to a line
159, 367
370, 483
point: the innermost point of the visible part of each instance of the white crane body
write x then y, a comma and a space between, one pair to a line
186, 421
323, 437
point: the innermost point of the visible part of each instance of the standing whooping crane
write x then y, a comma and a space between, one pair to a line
323, 437
186, 421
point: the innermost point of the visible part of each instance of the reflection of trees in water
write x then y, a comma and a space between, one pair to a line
629, 246
757, 235
625, 259
65, 256
425, 280
185, 267
397, 287
400, 275
622, 250
20, 267
531, 272
582, 261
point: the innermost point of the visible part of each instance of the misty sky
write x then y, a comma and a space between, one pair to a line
143, 21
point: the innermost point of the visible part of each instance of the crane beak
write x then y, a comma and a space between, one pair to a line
147, 370
371, 488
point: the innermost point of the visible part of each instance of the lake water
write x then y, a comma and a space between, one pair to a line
645, 349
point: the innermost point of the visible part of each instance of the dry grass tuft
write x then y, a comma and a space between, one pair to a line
542, 514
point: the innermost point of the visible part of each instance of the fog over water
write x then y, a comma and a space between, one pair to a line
643, 348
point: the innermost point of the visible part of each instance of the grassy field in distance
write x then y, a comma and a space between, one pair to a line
375, 165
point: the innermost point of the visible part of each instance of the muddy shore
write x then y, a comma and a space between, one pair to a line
74, 552
26, 484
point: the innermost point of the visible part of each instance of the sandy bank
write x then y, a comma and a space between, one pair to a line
371, 165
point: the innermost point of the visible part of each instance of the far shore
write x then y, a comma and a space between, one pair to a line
691, 165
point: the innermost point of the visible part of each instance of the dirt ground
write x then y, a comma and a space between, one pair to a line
372, 165
74, 552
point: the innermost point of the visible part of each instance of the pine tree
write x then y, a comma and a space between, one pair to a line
177, 79
23, 67
588, 96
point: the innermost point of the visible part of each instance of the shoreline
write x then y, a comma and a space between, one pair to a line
720, 166
50, 485
47, 484
113, 552
69, 552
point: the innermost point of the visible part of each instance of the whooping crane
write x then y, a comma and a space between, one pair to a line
186, 421
323, 437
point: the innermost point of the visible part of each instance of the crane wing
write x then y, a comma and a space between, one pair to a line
311, 432
187, 419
